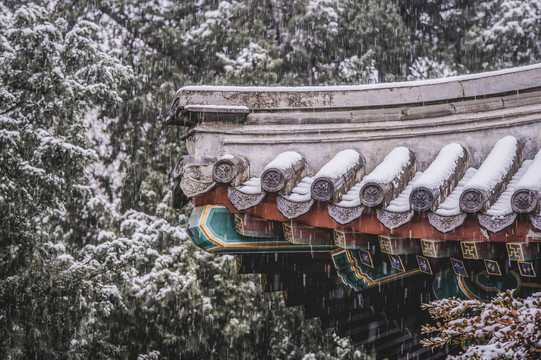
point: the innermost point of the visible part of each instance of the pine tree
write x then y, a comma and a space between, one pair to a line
507, 33
50, 76
116, 275
506, 327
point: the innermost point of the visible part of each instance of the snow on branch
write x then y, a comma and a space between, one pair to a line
506, 327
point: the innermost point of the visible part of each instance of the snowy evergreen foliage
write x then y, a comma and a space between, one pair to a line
94, 262
90, 269
506, 33
51, 74
506, 328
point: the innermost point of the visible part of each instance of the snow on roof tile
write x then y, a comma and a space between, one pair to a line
351, 198
502, 206
442, 167
301, 192
252, 186
284, 160
531, 179
340, 164
495, 166
402, 202
450, 206
392, 165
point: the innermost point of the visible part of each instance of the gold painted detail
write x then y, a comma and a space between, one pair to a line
245, 245
396, 262
526, 269
288, 233
424, 265
339, 239
464, 288
372, 282
239, 225
366, 258
458, 267
206, 232
429, 248
514, 251
493, 268
385, 245
469, 250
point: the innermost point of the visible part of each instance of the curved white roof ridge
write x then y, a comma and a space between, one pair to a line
256, 98
399, 84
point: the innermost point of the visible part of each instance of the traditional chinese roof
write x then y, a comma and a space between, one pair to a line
427, 182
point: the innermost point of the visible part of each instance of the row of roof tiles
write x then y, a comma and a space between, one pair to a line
505, 184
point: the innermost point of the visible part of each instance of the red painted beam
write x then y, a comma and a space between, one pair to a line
417, 228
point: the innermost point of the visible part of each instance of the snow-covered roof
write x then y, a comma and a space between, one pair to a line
284, 160
340, 164
498, 177
392, 165
496, 165
451, 207
442, 167
381, 94
431, 152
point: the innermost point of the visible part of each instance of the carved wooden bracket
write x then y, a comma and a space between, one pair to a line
233, 169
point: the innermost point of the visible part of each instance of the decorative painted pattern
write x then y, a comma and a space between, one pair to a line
288, 233
424, 265
239, 226
514, 251
493, 268
526, 269
396, 262
385, 245
458, 267
366, 258
469, 250
428, 248
339, 239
